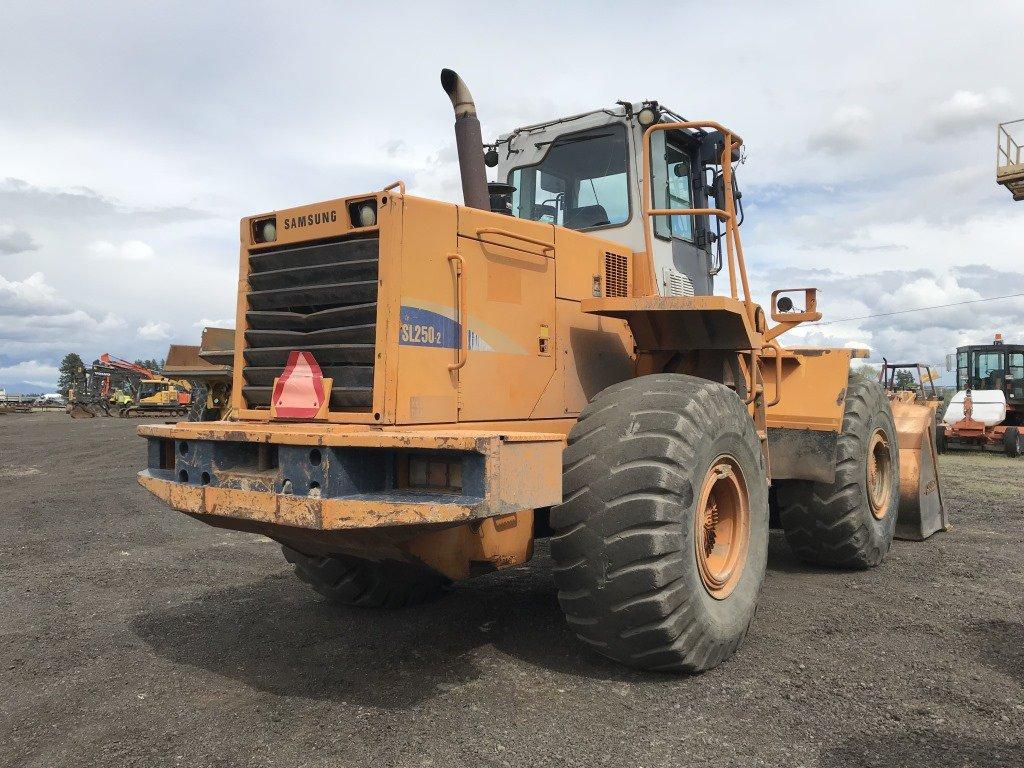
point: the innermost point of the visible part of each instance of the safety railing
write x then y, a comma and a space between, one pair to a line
734, 248
1008, 148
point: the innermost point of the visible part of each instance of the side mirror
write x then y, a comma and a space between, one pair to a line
785, 311
950, 360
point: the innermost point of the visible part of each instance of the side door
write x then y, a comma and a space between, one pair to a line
510, 313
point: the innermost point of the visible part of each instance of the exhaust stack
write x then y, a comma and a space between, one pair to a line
469, 141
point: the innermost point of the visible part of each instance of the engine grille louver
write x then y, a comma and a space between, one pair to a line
616, 275
321, 298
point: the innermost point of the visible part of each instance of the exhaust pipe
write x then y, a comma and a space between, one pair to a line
469, 141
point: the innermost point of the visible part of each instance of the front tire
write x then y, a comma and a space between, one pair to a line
660, 544
850, 522
366, 583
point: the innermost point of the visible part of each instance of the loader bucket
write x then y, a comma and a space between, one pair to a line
80, 411
921, 510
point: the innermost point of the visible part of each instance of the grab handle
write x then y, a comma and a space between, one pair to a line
460, 279
514, 236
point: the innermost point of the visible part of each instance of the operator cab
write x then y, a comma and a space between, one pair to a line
151, 387
995, 366
585, 173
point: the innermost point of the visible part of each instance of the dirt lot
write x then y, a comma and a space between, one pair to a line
132, 635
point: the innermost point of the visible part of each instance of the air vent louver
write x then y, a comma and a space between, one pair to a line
321, 298
616, 275
677, 284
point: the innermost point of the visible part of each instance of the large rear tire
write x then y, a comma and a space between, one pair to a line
850, 522
366, 583
1012, 446
660, 544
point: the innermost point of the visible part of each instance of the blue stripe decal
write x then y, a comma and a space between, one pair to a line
422, 328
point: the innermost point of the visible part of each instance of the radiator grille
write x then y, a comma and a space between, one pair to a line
616, 275
321, 298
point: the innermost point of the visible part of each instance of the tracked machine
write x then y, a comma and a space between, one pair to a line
423, 389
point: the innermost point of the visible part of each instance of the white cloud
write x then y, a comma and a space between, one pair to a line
926, 335
966, 111
849, 129
227, 322
33, 295
14, 240
154, 331
29, 372
130, 250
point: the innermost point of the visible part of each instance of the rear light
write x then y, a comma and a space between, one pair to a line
264, 230
432, 473
363, 213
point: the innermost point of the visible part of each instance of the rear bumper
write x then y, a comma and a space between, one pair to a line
329, 478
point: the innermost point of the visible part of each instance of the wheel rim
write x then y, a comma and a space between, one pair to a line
722, 533
879, 474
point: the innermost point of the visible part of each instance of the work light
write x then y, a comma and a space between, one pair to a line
647, 116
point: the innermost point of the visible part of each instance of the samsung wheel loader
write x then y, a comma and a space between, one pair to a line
422, 389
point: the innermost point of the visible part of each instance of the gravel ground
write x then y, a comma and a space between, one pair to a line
133, 635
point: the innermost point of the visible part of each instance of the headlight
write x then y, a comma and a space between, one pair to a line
269, 232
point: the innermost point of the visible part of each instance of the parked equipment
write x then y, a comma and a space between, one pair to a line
914, 411
207, 368
987, 412
421, 389
154, 394
102, 390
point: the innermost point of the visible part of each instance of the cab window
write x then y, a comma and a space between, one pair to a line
985, 364
1016, 364
671, 186
581, 183
961, 370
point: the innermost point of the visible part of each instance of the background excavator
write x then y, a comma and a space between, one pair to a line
114, 385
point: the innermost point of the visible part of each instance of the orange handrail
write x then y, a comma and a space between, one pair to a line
463, 350
513, 236
734, 248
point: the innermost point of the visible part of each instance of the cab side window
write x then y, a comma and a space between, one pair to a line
672, 187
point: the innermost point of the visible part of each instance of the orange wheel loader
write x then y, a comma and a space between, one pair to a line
422, 389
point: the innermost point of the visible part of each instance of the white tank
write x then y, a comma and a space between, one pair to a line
989, 407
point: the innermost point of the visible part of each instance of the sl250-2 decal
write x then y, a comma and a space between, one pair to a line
422, 328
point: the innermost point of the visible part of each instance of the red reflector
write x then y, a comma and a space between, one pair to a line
299, 392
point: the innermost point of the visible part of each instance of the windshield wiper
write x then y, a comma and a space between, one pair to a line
571, 139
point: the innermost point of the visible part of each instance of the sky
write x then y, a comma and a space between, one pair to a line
134, 136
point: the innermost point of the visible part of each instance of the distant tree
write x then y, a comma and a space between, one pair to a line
864, 373
72, 373
153, 365
905, 380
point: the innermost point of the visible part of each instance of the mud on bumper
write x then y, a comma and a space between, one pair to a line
324, 477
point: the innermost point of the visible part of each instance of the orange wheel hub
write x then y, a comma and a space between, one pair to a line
722, 522
879, 474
